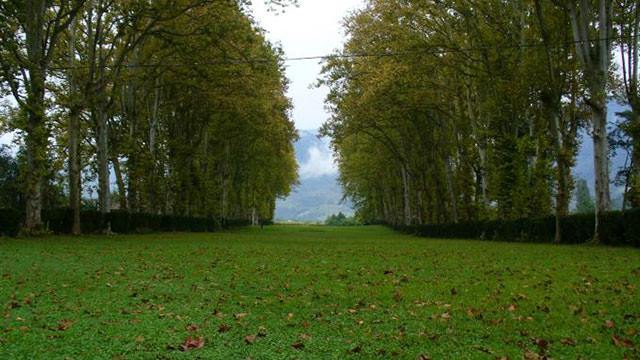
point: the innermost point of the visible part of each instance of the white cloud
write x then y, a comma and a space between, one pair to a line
320, 163
311, 29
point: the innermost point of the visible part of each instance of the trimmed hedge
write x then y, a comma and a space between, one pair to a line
618, 228
60, 221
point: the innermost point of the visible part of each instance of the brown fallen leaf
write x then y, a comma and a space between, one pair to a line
446, 316
218, 314
568, 342
609, 324
423, 357
64, 324
262, 331
250, 339
192, 343
621, 342
512, 307
541, 343
297, 345
530, 355
192, 327
223, 328
240, 316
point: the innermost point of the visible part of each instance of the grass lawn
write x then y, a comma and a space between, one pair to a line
314, 292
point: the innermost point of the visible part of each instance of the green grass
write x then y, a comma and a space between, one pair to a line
336, 292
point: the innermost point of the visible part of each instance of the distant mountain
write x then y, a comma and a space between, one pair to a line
319, 194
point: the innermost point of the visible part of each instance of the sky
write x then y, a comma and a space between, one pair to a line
313, 28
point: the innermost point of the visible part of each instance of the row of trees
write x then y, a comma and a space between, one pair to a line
181, 103
462, 110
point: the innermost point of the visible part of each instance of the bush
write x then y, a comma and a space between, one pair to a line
10, 222
341, 220
617, 228
60, 221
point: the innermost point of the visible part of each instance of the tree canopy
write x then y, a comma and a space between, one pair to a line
165, 107
465, 110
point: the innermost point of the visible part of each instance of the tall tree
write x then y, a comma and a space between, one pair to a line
30, 37
592, 28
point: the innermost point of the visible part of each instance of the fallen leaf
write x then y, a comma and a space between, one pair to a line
250, 339
192, 344
218, 314
454, 291
423, 357
192, 327
541, 343
620, 342
64, 325
446, 316
609, 324
297, 345
512, 307
262, 331
530, 355
568, 342
223, 328
240, 316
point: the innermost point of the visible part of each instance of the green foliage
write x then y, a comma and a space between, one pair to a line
328, 289
584, 201
10, 189
164, 93
618, 228
462, 121
341, 220
60, 221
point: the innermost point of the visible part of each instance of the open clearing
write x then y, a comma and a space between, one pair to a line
314, 292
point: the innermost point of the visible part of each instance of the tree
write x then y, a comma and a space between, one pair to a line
627, 23
594, 54
584, 201
30, 35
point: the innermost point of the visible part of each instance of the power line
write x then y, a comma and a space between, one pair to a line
427, 50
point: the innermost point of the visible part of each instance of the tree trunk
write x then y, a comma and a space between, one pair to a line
451, 189
36, 132
406, 196
103, 160
601, 164
75, 182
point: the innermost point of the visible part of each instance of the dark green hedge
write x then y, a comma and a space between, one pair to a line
618, 228
59, 221
9, 222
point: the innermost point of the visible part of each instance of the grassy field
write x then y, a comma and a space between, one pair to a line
314, 292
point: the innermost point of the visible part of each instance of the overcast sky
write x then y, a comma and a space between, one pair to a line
313, 28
